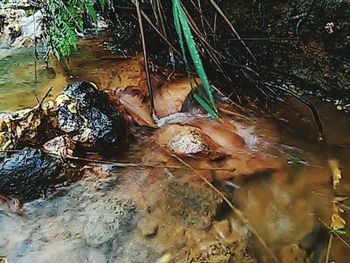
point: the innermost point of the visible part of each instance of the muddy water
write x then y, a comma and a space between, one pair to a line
144, 215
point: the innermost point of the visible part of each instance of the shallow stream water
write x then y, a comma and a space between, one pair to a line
144, 215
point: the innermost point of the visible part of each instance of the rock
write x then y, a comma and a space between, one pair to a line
108, 222
87, 114
195, 205
148, 228
293, 254
31, 24
27, 174
223, 229
216, 251
165, 258
186, 140
61, 145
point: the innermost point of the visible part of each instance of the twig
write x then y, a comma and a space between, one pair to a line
45, 96
234, 209
148, 76
118, 164
307, 103
125, 165
334, 233
329, 248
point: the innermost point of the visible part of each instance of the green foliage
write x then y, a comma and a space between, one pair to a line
304, 5
63, 19
203, 93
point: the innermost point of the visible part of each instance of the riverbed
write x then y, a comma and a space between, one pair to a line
155, 214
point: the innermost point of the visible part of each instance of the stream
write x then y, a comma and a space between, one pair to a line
160, 214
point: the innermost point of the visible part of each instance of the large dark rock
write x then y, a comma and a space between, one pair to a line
27, 174
87, 114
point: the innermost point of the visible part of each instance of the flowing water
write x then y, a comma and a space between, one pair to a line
93, 220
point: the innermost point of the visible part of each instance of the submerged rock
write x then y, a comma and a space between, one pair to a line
27, 174
87, 114
195, 206
216, 251
81, 224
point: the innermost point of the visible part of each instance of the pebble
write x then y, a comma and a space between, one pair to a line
223, 229
164, 259
293, 254
147, 227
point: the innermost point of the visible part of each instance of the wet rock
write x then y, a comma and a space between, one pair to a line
61, 145
19, 30
186, 140
87, 114
136, 252
69, 251
27, 174
21, 127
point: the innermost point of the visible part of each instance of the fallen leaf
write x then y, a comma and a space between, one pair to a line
10, 206
138, 110
61, 145
170, 98
220, 134
130, 75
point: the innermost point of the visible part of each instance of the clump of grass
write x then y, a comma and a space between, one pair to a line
203, 92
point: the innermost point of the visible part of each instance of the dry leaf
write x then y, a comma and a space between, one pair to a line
220, 134
138, 110
336, 173
61, 145
170, 98
337, 221
10, 206
130, 75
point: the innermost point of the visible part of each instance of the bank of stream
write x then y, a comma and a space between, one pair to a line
159, 209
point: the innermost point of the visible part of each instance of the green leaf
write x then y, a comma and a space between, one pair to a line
65, 18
